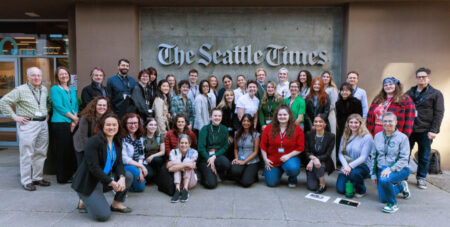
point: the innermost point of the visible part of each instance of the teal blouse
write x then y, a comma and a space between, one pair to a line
63, 102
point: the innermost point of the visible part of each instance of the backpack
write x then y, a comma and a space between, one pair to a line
435, 161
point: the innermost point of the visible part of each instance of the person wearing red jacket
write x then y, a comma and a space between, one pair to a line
391, 99
281, 143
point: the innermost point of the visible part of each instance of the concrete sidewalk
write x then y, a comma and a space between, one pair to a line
228, 205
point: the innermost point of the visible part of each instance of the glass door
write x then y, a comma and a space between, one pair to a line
8, 81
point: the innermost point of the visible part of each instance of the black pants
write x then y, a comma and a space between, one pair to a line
164, 180
79, 156
208, 178
245, 175
313, 176
154, 168
66, 163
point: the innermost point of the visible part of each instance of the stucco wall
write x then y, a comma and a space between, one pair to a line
104, 34
396, 39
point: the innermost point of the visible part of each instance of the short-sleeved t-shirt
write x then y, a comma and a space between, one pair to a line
176, 155
152, 145
250, 105
246, 146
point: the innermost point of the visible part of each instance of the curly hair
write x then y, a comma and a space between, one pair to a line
308, 79
123, 125
90, 111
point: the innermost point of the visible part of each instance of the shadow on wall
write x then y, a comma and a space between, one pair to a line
405, 72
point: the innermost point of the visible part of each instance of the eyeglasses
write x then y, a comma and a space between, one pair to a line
388, 121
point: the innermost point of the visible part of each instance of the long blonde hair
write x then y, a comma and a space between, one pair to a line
332, 83
362, 131
223, 102
277, 96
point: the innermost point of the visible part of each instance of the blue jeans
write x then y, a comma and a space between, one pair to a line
136, 186
291, 167
389, 187
356, 176
424, 145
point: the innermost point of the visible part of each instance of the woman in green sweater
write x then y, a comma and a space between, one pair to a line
296, 103
270, 101
212, 145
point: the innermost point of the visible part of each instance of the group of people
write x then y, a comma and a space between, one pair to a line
131, 133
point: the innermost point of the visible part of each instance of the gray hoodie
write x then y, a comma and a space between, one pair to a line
391, 152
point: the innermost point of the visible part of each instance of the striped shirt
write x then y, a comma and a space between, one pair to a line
26, 103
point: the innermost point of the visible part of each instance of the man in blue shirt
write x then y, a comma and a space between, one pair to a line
120, 87
359, 93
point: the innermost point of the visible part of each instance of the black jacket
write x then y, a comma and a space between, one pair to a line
90, 92
324, 153
312, 111
90, 172
143, 100
430, 109
345, 108
230, 119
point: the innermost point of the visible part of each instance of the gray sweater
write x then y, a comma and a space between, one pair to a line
357, 149
391, 152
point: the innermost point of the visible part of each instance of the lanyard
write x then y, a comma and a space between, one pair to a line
318, 146
38, 100
213, 136
269, 105
111, 152
387, 104
68, 94
282, 135
123, 80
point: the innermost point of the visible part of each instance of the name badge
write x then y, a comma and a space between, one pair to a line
281, 150
124, 96
268, 122
38, 114
150, 111
417, 113
242, 158
211, 153
230, 129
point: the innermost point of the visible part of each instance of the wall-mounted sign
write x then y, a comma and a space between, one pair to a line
274, 55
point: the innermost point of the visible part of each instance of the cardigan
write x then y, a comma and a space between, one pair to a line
161, 109
90, 171
212, 137
201, 111
264, 115
297, 107
324, 153
84, 131
62, 104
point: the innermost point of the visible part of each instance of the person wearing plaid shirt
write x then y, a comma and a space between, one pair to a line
31, 115
391, 99
182, 104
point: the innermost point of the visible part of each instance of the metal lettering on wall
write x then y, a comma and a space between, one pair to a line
275, 55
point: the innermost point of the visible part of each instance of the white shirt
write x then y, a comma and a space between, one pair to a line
177, 156
212, 98
238, 92
283, 89
250, 105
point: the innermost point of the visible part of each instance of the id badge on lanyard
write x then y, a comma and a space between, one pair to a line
282, 135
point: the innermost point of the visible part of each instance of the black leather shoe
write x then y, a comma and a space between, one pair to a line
29, 187
121, 210
321, 190
42, 182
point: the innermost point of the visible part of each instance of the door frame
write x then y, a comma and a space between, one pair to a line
17, 81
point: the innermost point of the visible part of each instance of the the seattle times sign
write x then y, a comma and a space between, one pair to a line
274, 55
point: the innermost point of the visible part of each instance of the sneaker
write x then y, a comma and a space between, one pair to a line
406, 192
292, 185
357, 195
184, 196
390, 208
421, 183
175, 197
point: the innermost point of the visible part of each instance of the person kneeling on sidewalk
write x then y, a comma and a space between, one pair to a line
390, 155
182, 164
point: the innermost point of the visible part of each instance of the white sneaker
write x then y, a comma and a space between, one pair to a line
421, 183
357, 195
390, 208
406, 192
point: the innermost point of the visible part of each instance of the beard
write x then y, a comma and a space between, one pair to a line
123, 71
